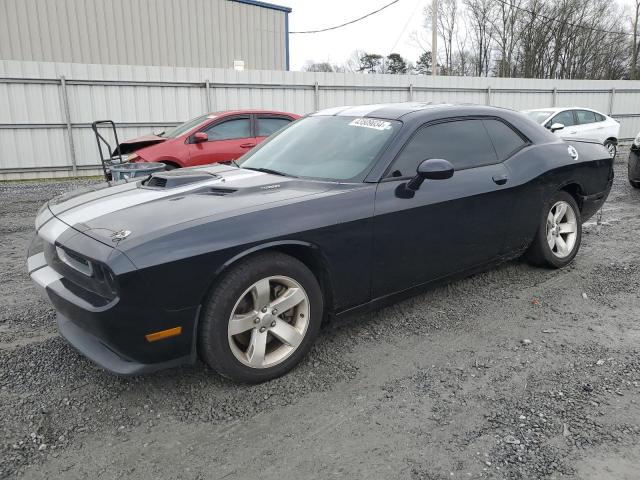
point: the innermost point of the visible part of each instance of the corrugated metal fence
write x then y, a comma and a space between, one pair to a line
46, 109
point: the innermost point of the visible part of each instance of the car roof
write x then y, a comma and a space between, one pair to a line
411, 110
250, 111
561, 109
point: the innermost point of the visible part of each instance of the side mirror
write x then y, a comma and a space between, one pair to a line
556, 126
431, 169
200, 137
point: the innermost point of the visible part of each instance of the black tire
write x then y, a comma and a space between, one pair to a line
634, 183
611, 144
539, 253
213, 340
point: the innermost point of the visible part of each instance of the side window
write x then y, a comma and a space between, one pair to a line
585, 116
565, 118
267, 126
230, 129
464, 143
504, 139
599, 118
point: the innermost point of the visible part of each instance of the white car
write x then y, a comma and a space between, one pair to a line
576, 122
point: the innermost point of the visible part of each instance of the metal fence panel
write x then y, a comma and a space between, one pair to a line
34, 128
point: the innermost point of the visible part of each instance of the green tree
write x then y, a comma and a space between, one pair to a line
423, 65
396, 64
370, 63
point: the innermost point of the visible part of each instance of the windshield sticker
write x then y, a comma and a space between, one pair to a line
371, 123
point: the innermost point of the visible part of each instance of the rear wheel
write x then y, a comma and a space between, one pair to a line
261, 319
559, 234
611, 147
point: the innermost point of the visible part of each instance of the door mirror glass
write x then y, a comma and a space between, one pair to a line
431, 169
200, 137
556, 126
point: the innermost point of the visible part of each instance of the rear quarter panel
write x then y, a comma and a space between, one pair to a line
539, 171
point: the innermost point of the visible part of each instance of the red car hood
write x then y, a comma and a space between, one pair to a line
134, 144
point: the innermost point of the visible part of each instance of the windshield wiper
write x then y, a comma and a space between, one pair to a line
268, 170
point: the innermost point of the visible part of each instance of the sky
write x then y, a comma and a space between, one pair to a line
382, 33
385, 32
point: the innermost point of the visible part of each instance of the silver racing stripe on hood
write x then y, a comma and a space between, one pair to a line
105, 205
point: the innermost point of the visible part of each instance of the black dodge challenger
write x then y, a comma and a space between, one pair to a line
341, 211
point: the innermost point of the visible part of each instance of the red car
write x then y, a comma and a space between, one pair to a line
211, 138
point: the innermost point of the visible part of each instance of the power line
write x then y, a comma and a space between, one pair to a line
551, 19
411, 15
349, 22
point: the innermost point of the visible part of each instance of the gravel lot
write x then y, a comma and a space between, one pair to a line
440, 386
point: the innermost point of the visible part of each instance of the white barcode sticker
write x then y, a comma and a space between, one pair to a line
371, 123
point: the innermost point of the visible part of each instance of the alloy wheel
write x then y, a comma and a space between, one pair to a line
562, 229
268, 322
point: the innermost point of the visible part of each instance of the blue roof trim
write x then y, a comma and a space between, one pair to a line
286, 40
265, 5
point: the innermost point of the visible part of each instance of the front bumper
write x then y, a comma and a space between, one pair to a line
100, 354
111, 332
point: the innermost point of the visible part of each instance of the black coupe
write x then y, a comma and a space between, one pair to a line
341, 211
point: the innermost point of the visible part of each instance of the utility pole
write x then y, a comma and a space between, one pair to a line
434, 38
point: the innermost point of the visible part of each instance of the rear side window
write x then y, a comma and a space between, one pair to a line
267, 126
565, 118
599, 118
464, 143
585, 116
505, 140
230, 129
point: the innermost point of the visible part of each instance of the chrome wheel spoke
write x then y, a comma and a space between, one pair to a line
241, 322
563, 250
257, 348
561, 210
551, 240
261, 293
286, 333
566, 228
289, 299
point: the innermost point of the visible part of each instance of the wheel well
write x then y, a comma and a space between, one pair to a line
575, 191
170, 162
614, 140
312, 259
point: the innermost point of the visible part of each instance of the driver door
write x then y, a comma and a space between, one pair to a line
447, 226
228, 139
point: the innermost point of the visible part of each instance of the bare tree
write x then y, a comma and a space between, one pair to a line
633, 69
479, 18
447, 29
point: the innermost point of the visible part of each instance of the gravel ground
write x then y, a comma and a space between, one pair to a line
514, 373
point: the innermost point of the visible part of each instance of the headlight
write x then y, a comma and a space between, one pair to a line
636, 141
132, 157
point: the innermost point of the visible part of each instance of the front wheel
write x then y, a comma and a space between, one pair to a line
559, 234
261, 318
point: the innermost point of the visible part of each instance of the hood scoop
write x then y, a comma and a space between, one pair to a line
177, 178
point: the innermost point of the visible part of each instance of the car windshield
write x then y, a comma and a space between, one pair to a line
538, 116
184, 127
325, 147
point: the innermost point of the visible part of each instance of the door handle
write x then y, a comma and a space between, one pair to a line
247, 145
500, 178
572, 131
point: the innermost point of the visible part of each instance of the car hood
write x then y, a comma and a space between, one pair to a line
134, 144
136, 211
